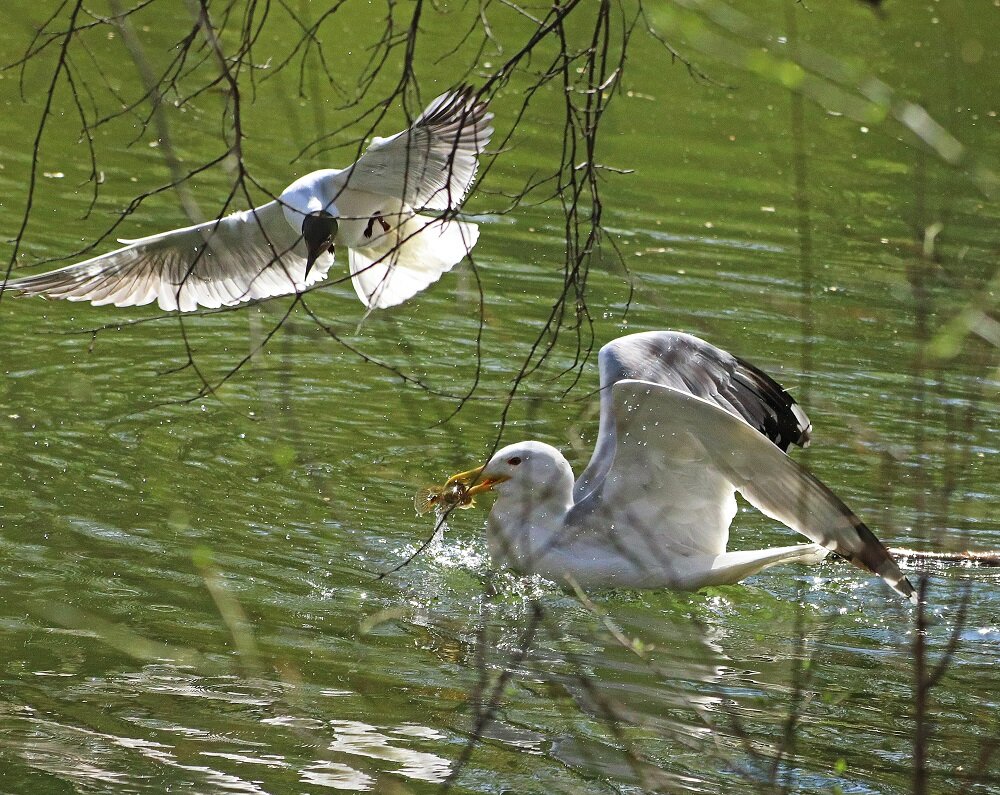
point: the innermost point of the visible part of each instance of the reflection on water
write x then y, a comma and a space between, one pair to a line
337, 776
228, 760
709, 673
85, 757
352, 737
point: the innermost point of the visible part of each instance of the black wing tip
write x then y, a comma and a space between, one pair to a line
786, 422
876, 558
745, 389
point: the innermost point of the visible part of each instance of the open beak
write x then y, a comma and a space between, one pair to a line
458, 492
319, 230
471, 483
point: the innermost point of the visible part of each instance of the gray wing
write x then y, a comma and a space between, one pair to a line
691, 365
248, 255
433, 163
665, 433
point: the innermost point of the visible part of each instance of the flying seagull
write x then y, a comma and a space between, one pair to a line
683, 427
370, 209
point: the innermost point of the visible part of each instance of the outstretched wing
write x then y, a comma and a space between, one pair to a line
433, 163
248, 255
410, 257
692, 365
666, 436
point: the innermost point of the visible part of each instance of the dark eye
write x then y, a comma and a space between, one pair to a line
514, 461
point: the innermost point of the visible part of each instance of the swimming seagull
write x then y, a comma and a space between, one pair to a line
369, 208
683, 427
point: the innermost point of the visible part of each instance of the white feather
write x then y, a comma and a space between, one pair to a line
259, 253
655, 505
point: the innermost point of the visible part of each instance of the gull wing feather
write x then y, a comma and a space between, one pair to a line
691, 365
432, 164
665, 434
413, 255
247, 255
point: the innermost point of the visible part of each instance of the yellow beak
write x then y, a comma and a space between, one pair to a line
471, 484
458, 492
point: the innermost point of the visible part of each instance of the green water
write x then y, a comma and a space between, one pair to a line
188, 591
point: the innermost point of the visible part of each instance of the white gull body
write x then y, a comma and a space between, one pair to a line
370, 209
684, 426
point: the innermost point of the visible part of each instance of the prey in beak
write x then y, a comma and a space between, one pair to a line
459, 492
319, 229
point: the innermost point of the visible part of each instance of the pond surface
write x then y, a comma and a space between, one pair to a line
189, 598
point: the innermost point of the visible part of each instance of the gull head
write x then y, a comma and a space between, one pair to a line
524, 471
319, 230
